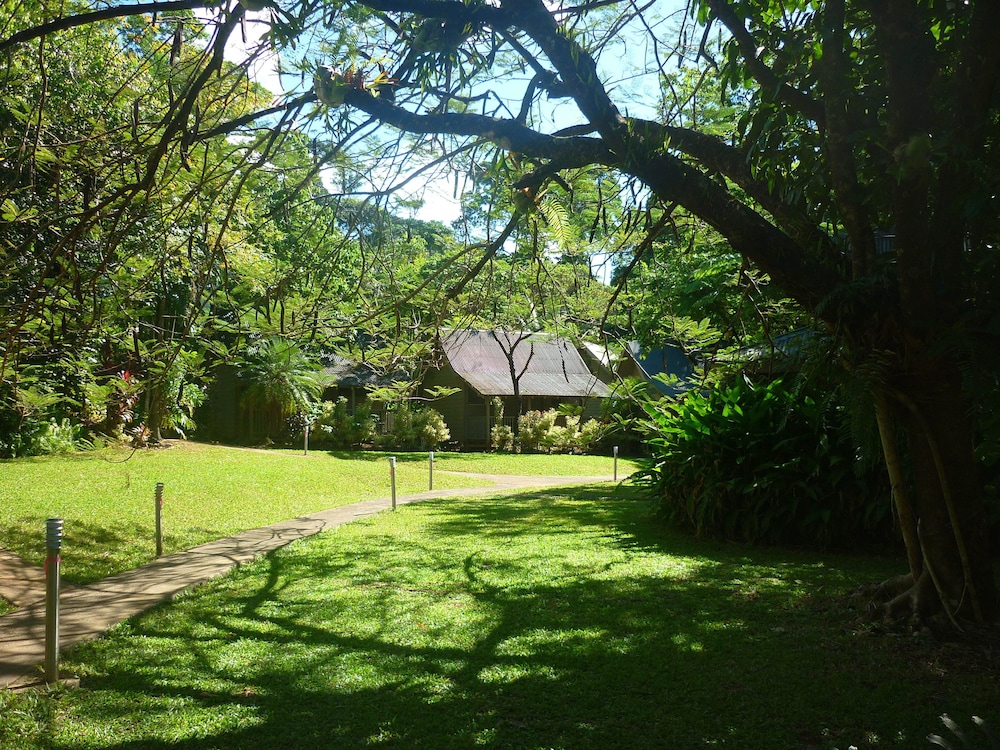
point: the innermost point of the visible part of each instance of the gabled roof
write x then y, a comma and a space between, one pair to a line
665, 360
347, 373
551, 365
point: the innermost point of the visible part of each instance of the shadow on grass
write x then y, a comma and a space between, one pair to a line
90, 551
544, 619
622, 512
376, 456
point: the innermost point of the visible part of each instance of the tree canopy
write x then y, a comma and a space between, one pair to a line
858, 171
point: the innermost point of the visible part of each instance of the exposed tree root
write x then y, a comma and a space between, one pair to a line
902, 598
919, 601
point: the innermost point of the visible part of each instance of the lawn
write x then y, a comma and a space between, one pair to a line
106, 499
528, 464
564, 618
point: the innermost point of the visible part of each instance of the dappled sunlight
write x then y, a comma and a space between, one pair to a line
532, 620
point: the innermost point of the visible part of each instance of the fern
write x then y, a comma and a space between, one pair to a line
557, 218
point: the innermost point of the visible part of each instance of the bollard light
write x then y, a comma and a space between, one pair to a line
53, 543
158, 516
430, 482
615, 451
392, 477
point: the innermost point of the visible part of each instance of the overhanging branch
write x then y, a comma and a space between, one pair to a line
718, 156
507, 134
115, 11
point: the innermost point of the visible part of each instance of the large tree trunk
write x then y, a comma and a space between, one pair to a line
155, 408
955, 570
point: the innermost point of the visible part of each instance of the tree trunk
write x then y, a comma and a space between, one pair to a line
154, 412
956, 571
901, 496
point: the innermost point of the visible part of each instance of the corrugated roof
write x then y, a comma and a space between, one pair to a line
345, 373
666, 360
547, 365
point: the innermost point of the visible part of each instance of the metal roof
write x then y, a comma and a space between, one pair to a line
665, 360
346, 373
547, 365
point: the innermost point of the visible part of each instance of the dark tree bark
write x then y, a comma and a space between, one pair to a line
907, 322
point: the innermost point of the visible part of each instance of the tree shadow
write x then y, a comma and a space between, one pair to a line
702, 644
90, 550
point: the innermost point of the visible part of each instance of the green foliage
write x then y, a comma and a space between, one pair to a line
279, 375
573, 437
502, 438
183, 394
415, 428
501, 434
336, 428
20, 434
763, 463
31, 425
625, 412
62, 437
533, 430
552, 431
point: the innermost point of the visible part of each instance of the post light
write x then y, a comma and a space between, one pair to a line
392, 477
158, 515
53, 543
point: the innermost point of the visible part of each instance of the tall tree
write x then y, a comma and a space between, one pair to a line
864, 119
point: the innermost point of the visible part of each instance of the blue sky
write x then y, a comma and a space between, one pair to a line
622, 65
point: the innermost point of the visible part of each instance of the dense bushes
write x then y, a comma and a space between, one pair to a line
33, 423
408, 427
541, 432
336, 428
414, 428
765, 464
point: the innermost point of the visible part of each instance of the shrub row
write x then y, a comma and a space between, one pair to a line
541, 432
411, 428
764, 463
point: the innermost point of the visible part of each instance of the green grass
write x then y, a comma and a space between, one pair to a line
526, 464
106, 499
550, 619
530, 464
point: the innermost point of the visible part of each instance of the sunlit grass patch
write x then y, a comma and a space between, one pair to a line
106, 499
552, 619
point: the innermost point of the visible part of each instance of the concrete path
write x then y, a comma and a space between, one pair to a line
88, 611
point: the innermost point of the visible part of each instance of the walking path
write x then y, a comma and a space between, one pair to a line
88, 611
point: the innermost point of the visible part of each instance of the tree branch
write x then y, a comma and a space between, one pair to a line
799, 100
226, 128
180, 118
840, 153
577, 70
507, 134
115, 11
718, 156
793, 267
